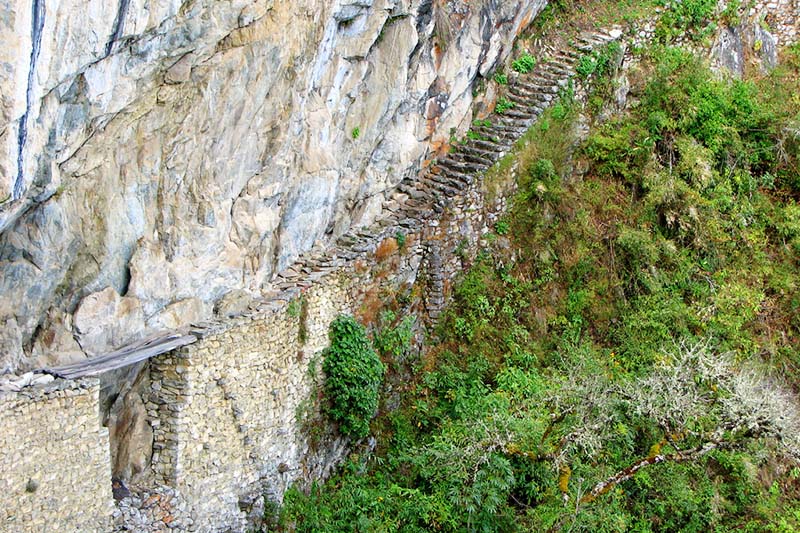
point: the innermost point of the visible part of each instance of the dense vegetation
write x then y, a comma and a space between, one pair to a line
624, 355
353, 375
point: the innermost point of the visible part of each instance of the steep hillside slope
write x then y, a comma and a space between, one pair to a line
622, 353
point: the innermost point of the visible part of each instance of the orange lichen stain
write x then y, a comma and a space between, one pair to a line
438, 55
360, 266
370, 307
386, 249
524, 24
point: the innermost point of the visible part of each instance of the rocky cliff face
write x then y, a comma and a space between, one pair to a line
158, 155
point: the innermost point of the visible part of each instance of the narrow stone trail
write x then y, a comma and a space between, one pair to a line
415, 205
417, 201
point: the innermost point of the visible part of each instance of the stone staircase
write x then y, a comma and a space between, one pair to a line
414, 206
417, 201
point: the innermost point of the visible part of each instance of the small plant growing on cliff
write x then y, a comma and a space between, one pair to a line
524, 64
394, 340
298, 308
356, 133
502, 227
353, 375
503, 105
400, 237
501, 79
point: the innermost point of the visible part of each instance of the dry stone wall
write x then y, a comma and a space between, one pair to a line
228, 411
225, 409
780, 18
54, 459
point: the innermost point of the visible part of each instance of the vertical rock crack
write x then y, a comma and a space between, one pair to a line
119, 25
37, 26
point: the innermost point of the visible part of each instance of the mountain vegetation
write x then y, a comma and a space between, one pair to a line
624, 354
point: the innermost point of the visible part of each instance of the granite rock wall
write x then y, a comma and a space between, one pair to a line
157, 155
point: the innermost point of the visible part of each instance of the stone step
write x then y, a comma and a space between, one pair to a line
479, 153
532, 101
557, 70
456, 169
522, 116
362, 247
517, 122
465, 178
345, 240
587, 43
608, 35
537, 87
526, 98
445, 179
555, 78
590, 39
505, 129
463, 165
440, 194
505, 136
564, 56
593, 38
459, 179
409, 223
469, 162
490, 135
421, 204
383, 222
491, 146
421, 212
525, 103
459, 165
411, 190
347, 254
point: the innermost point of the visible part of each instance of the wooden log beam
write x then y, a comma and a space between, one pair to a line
125, 356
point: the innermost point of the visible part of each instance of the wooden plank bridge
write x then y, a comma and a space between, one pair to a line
125, 356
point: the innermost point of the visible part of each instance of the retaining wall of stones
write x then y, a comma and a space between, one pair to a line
226, 409
55, 466
781, 18
235, 415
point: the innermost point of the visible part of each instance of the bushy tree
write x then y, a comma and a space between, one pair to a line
353, 375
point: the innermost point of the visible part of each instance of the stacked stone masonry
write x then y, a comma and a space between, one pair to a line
54, 459
781, 18
226, 408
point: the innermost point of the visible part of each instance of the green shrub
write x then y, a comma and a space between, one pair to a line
502, 227
524, 63
501, 78
620, 150
503, 105
353, 376
394, 341
600, 62
686, 17
586, 66
400, 237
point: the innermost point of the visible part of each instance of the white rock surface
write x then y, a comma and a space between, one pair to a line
104, 320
